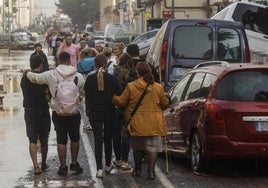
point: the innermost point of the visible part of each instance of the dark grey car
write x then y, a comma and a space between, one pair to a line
180, 44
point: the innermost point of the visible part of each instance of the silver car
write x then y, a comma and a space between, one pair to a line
144, 41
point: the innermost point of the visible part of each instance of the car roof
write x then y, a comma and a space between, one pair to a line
219, 68
200, 20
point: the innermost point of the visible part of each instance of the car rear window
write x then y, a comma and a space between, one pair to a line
192, 42
243, 86
229, 48
253, 18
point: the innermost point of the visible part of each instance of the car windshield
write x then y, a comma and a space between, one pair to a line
253, 18
22, 38
197, 42
243, 86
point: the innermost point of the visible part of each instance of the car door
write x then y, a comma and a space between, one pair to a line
190, 110
175, 138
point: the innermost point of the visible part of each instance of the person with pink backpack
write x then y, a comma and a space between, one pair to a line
66, 87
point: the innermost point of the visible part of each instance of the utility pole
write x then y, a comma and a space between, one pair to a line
172, 9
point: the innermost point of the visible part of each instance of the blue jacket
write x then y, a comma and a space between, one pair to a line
86, 65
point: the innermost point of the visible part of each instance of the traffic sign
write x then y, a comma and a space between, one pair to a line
127, 22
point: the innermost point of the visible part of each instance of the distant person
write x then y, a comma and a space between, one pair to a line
108, 51
58, 44
99, 89
118, 50
71, 48
82, 44
36, 115
53, 38
85, 66
90, 41
65, 107
148, 124
98, 47
39, 51
134, 52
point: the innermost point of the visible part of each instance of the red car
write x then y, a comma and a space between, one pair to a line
219, 110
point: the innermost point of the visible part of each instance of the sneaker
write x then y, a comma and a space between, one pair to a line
117, 163
87, 128
63, 170
76, 167
99, 174
108, 169
125, 166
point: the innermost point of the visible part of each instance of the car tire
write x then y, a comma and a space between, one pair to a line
198, 163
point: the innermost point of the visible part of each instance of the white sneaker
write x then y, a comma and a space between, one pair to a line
117, 163
125, 166
108, 169
99, 174
87, 128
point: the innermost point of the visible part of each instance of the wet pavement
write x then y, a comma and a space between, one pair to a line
16, 169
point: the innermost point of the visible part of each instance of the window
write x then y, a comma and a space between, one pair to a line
195, 86
192, 42
243, 86
178, 89
209, 79
229, 48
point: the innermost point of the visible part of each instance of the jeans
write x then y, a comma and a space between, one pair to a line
121, 144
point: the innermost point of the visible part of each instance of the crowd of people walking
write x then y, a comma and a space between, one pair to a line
109, 96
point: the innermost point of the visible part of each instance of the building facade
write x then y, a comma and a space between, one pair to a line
134, 13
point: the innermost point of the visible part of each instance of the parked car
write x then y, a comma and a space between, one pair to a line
144, 41
254, 18
218, 110
104, 40
180, 44
16, 42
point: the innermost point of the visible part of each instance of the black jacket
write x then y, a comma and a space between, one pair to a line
99, 103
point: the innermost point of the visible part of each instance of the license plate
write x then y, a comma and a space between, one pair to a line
261, 126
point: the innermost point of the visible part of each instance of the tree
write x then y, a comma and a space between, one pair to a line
80, 12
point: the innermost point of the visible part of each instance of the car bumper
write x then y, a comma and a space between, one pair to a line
222, 147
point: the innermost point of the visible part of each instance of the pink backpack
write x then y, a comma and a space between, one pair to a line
66, 96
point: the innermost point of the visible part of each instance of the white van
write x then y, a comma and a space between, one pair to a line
112, 29
254, 18
89, 28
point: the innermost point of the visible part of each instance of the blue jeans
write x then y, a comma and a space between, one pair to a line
121, 144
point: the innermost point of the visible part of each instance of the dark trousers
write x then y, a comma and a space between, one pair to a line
121, 144
102, 128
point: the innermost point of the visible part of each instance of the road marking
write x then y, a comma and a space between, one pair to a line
92, 168
162, 177
91, 163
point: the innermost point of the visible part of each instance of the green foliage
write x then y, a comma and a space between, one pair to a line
81, 12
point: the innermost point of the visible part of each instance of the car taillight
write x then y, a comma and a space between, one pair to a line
216, 119
247, 53
163, 59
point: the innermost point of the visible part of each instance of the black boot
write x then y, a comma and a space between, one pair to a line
152, 157
137, 154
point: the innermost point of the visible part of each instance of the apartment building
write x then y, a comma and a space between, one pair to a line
134, 13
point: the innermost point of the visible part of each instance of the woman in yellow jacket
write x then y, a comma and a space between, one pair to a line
148, 124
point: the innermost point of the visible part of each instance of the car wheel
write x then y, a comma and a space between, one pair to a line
197, 160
